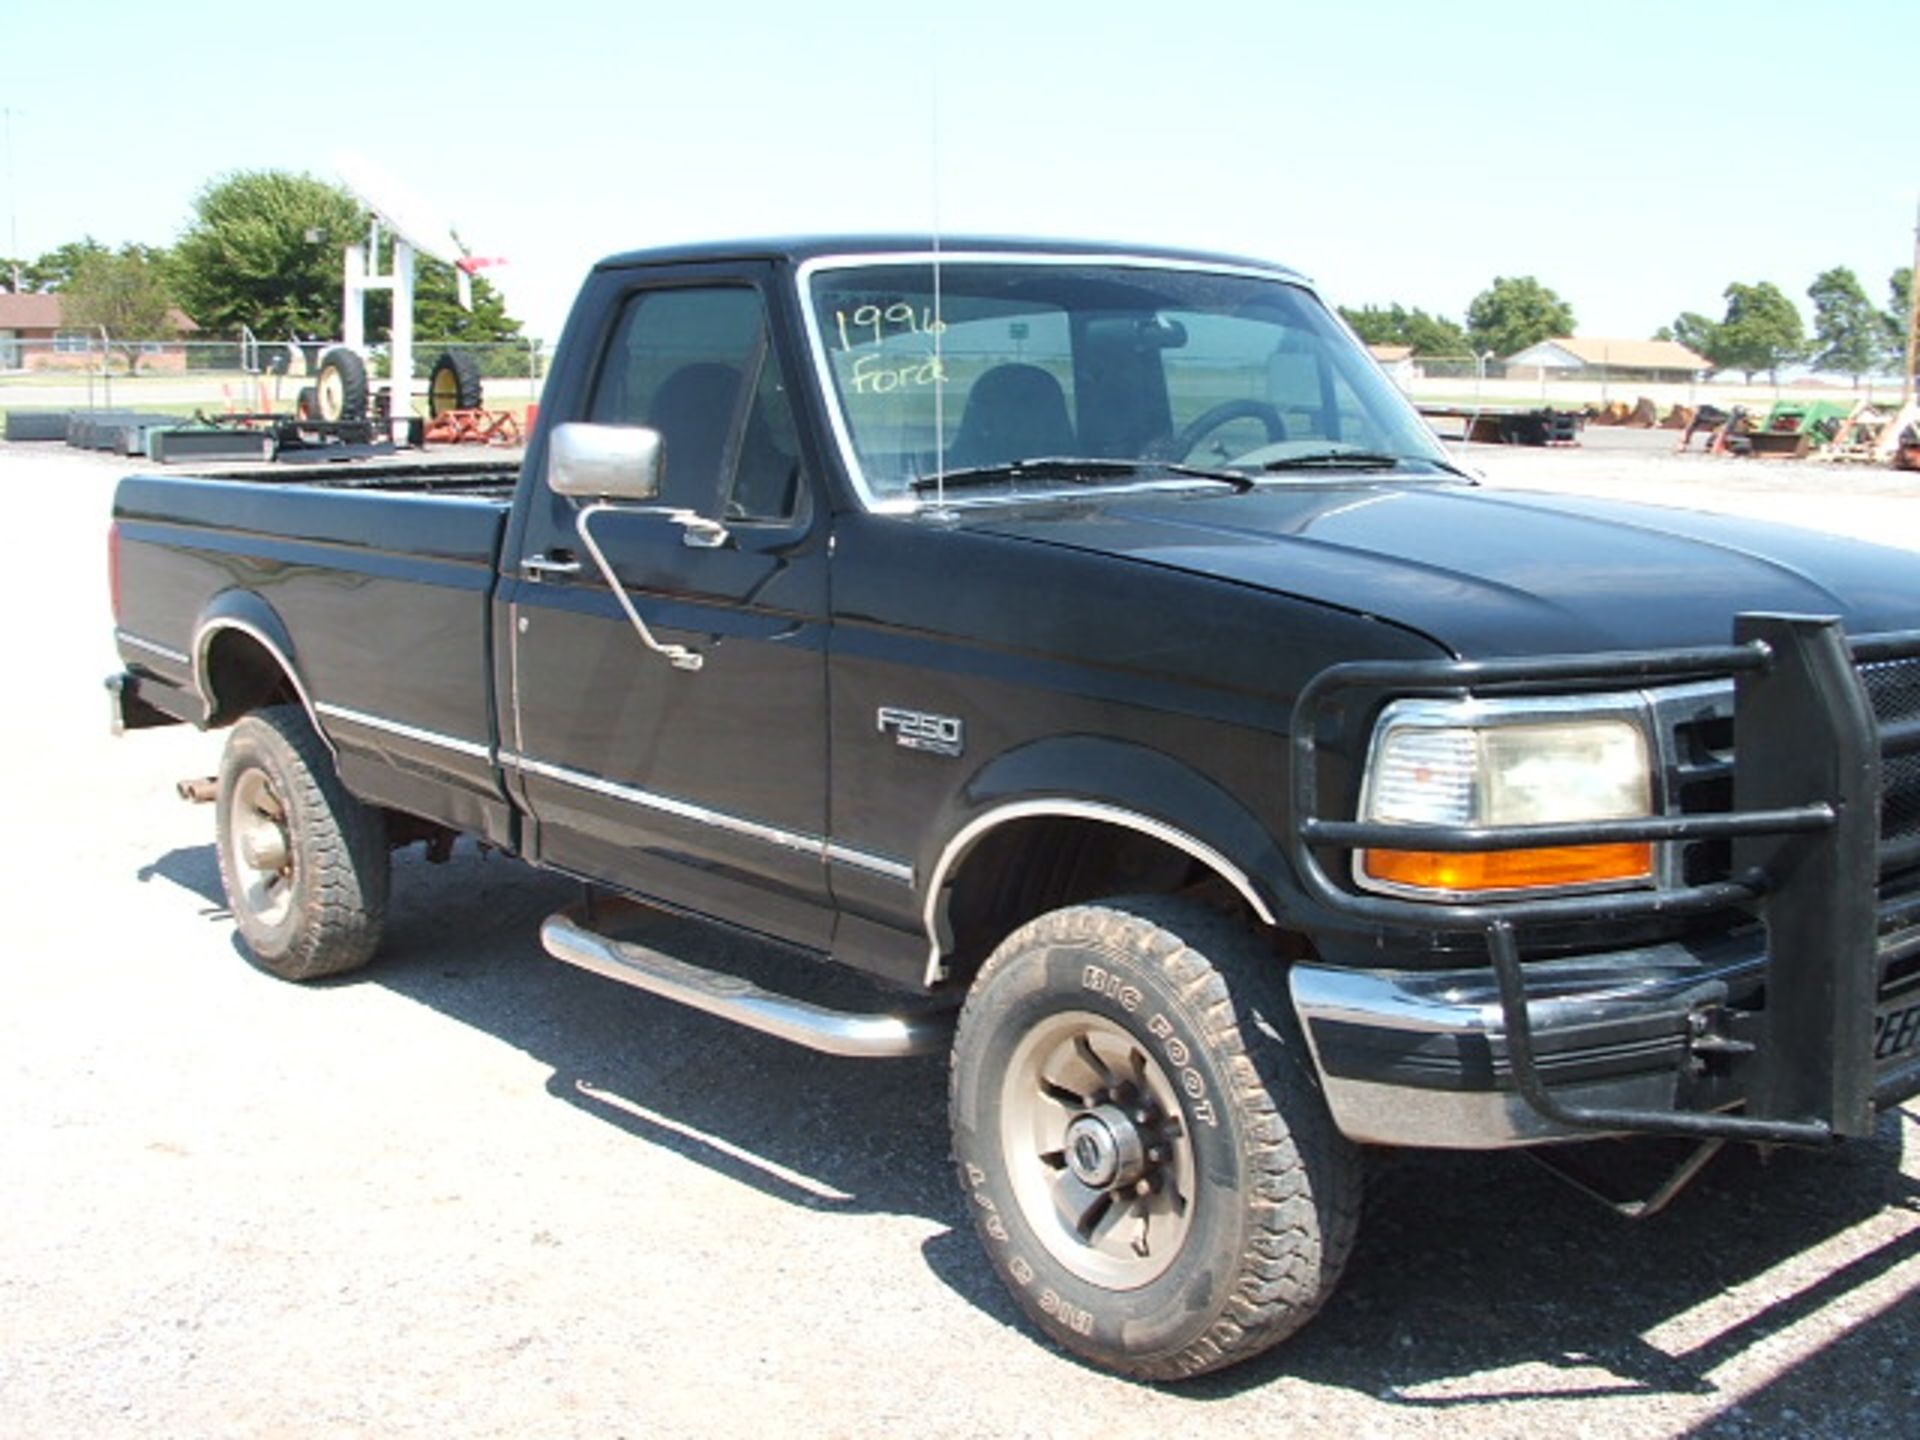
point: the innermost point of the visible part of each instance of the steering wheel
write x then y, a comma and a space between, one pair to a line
1227, 411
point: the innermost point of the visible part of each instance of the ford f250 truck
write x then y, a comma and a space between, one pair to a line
1093, 648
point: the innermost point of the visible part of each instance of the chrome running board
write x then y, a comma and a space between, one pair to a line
568, 937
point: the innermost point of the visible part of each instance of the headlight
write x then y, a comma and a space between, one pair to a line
1507, 762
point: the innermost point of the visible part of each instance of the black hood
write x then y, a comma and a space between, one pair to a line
1488, 573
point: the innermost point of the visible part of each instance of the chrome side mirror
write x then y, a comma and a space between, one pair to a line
605, 462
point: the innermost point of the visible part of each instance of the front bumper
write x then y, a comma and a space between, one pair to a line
1795, 1027
1420, 1058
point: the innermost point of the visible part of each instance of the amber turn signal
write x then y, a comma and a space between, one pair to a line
1497, 870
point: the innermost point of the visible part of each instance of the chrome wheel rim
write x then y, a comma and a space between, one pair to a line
260, 847
1097, 1153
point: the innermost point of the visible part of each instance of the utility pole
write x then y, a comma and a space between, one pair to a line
13, 209
1913, 314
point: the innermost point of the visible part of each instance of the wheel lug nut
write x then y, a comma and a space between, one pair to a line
1158, 1154
1141, 1187
1141, 1117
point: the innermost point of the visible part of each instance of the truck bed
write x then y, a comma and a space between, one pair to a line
491, 475
372, 583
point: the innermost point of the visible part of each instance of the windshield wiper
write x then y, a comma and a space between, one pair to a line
1336, 460
1358, 460
1084, 471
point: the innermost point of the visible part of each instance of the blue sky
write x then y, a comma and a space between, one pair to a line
1635, 157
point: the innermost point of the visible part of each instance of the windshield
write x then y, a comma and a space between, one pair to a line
1026, 358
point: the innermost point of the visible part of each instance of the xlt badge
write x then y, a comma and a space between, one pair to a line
917, 730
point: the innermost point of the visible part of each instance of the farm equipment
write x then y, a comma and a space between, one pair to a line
474, 427
1793, 430
342, 389
1727, 432
1876, 437
1492, 425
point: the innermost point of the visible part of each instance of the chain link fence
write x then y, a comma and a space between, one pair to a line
87, 369
93, 369
1466, 380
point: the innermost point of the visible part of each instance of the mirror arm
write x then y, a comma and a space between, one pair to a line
677, 656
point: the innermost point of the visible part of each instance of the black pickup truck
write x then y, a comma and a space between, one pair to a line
1092, 648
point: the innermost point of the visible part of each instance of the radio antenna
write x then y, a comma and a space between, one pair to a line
939, 325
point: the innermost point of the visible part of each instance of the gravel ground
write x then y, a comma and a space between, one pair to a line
471, 1192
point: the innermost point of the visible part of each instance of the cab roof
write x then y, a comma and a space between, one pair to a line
797, 250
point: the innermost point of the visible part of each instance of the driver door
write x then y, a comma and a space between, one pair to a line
703, 788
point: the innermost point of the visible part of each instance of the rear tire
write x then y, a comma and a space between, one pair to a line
454, 383
340, 387
305, 866
1144, 1145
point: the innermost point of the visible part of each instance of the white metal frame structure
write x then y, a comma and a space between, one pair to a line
410, 227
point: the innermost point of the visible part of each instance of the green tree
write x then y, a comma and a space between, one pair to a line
438, 317
1436, 335
52, 270
263, 251
1513, 313
1847, 330
1691, 329
1761, 331
436, 308
1374, 325
126, 293
1396, 325
1898, 316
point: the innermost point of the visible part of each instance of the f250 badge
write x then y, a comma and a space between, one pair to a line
917, 730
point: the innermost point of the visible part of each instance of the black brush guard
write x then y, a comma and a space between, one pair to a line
1807, 860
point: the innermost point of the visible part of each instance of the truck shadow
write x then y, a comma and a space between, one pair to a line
1484, 1279
811, 1130
1477, 1279
195, 869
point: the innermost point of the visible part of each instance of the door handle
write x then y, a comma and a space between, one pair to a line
700, 533
542, 567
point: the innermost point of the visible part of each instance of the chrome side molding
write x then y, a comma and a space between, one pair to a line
568, 937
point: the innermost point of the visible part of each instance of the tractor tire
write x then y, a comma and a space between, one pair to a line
1142, 1138
454, 383
306, 405
341, 385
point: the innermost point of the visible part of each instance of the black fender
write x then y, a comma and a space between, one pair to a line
1120, 783
246, 613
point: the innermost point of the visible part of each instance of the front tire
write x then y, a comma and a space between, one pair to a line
1148, 1158
305, 866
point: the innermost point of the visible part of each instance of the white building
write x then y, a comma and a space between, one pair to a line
1577, 357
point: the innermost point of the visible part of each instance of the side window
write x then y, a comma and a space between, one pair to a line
766, 479
679, 362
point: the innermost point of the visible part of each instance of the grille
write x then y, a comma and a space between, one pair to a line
1893, 686
1893, 689
1697, 729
